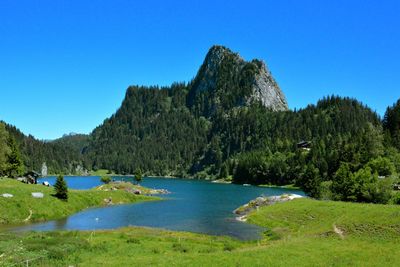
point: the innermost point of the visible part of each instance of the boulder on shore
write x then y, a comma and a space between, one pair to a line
37, 195
108, 201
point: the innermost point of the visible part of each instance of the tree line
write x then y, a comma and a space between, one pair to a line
353, 155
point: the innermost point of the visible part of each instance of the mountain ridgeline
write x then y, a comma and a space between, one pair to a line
173, 130
64, 155
231, 121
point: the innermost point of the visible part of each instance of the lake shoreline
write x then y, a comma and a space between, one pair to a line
23, 209
182, 195
302, 232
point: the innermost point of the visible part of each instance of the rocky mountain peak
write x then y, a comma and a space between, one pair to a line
227, 79
217, 52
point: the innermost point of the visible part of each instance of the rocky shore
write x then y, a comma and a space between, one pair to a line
131, 188
243, 211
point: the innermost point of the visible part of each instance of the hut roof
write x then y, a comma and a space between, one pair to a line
304, 143
32, 174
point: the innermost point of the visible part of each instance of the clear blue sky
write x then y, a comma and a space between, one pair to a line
65, 65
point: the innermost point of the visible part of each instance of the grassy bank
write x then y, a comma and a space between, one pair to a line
102, 172
306, 217
302, 233
289, 186
24, 208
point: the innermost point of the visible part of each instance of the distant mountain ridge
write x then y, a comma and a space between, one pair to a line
62, 155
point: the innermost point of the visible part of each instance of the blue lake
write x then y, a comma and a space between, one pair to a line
193, 205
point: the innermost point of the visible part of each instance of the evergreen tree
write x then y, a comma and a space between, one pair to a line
138, 175
391, 123
224, 172
15, 165
344, 185
61, 188
4, 148
311, 181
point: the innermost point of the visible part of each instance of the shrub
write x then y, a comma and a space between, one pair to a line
381, 191
133, 240
228, 246
57, 253
325, 190
180, 248
105, 179
395, 199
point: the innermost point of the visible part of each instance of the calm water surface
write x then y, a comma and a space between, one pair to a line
195, 206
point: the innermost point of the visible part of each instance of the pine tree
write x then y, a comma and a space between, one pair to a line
61, 188
4, 148
15, 166
138, 175
224, 172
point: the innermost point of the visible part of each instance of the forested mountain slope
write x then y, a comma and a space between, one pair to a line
173, 130
232, 121
63, 155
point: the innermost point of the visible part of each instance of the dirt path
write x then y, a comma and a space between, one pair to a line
29, 217
338, 231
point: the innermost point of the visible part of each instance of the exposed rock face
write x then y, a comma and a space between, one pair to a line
226, 74
207, 75
266, 90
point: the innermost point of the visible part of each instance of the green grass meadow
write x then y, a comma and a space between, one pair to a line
17, 209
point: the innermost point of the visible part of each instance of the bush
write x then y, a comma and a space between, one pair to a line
180, 248
325, 190
61, 188
361, 186
57, 253
228, 246
105, 179
380, 191
133, 240
395, 199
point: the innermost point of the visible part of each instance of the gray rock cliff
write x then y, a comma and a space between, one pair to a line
225, 74
266, 90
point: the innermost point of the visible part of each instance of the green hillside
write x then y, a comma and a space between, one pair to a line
23, 208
